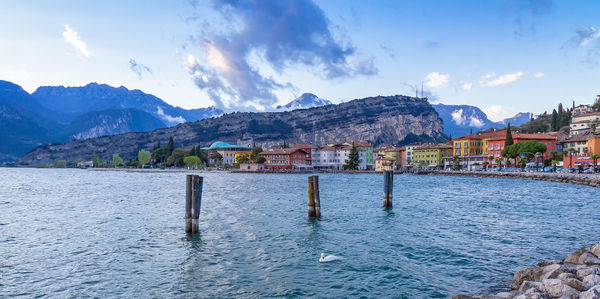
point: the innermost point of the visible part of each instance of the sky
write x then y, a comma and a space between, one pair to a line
502, 56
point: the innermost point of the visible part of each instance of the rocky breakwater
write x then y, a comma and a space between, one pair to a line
577, 276
573, 178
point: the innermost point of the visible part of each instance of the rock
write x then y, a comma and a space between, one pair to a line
577, 284
588, 258
596, 250
509, 295
585, 271
461, 296
574, 257
546, 263
533, 293
592, 279
566, 276
557, 288
531, 274
593, 293
526, 285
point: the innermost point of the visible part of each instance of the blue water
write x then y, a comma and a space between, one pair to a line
74, 233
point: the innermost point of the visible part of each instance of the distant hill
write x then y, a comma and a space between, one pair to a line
377, 120
460, 120
306, 100
110, 122
517, 120
57, 114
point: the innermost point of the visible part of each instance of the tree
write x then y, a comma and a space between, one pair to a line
170, 146
554, 121
353, 160
595, 158
60, 163
176, 158
160, 154
192, 161
485, 164
509, 138
242, 158
96, 161
256, 150
499, 162
284, 145
144, 157
261, 160
116, 160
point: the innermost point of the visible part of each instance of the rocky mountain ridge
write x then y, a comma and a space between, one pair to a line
378, 120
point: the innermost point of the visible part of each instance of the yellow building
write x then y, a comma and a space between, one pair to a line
468, 145
431, 155
391, 153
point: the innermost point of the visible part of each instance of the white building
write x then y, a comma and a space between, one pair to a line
335, 157
584, 123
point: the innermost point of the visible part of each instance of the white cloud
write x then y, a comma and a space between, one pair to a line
487, 80
467, 86
498, 112
72, 37
171, 119
539, 75
592, 33
457, 117
436, 79
475, 122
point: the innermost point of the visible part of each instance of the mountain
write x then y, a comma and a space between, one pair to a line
70, 102
110, 122
460, 120
58, 114
306, 100
377, 120
517, 120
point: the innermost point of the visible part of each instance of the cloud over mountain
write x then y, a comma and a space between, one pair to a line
280, 33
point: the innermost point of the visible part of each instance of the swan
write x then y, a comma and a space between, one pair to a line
329, 258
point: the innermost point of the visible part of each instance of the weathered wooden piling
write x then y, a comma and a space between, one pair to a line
193, 197
314, 201
388, 188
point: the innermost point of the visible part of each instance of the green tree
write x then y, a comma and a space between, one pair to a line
509, 139
243, 158
170, 147
176, 158
144, 157
595, 158
116, 160
60, 163
96, 161
353, 160
192, 161
554, 121
256, 150
261, 160
160, 154
284, 145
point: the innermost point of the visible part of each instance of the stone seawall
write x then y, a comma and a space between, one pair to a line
573, 178
577, 276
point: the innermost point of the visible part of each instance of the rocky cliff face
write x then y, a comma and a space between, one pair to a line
377, 120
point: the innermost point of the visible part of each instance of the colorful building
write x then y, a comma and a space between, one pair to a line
391, 153
286, 159
227, 151
310, 149
239, 155
384, 164
430, 155
368, 150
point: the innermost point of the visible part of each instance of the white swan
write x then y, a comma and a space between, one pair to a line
329, 258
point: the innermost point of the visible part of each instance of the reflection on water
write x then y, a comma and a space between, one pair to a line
75, 233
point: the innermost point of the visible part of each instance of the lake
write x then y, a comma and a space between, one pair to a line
74, 233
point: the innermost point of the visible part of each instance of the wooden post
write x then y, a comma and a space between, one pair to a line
311, 197
192, 203
317, 196
388, 188
188, 203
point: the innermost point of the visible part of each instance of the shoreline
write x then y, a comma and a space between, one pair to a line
592, 180
577, 276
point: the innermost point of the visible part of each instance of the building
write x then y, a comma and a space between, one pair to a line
584, 123
578, 142
252, 167
593, 144
227, 151
310, 149
392, 153
384, 164
286, 159
581, 109
430, 155
408, 154
468, 145
367, 148
324, 158
495, 145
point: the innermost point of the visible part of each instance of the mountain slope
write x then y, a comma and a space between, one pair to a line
377, 120
460, 120
517, 120
70, 102
19, 134
110, 122
306, 100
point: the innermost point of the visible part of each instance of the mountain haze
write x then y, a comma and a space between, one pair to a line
306, 100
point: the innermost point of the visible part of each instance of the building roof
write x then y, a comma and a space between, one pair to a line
391, 149
587, 114
575, 138
282, 151
222, 144
359, 143
303, 146
530, 136
435, 146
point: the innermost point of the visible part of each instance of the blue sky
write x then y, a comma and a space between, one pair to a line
502, 56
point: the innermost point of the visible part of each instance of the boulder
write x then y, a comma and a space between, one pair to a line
574, 257
585, 271
526, 285
596, 250
546, 263
577, 284
531, 274
554, 270
566, 276
558, 288
593, 293
509, 295
592, 279
588, 258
